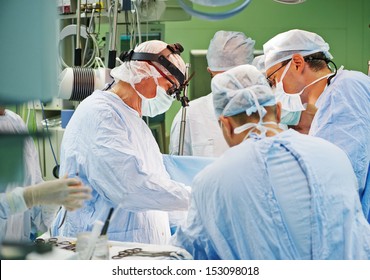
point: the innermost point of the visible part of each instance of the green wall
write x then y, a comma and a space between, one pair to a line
344, 24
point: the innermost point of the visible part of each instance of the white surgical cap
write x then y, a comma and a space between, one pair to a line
228, 49
133, 71
233, 91
284, 45
259, 62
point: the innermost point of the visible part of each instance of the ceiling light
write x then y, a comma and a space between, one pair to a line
290, 1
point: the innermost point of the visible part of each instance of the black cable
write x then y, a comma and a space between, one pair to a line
48, 136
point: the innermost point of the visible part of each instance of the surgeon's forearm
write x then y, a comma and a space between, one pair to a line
157, 200
16, 201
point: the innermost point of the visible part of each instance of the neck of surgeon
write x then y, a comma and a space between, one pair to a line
127, 94
269, 123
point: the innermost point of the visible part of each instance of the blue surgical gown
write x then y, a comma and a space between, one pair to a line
343, 118
183, 169
114, 152
291, 196
26, 225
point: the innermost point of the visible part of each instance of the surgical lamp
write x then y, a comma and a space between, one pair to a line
290, 1
214, 3
222, 3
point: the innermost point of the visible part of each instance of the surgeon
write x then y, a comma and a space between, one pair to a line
28, 208
331, 105
202, 135
273, 194
110, 148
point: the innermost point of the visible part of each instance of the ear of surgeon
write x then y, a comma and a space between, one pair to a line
294, 77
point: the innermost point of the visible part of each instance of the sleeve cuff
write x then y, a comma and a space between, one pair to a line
16, 201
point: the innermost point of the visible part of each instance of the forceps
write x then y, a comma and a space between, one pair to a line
141, 253
68, 245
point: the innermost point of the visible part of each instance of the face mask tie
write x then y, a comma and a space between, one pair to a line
260, 125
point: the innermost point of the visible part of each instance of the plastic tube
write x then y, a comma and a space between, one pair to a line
95, 233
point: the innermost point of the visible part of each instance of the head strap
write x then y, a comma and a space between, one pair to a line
160, 58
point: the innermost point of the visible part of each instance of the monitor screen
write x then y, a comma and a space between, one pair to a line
128, 40
200, 84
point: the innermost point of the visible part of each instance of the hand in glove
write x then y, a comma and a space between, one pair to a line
67, 192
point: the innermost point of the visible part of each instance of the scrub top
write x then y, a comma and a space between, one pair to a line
291, 196
112, 150
343, 118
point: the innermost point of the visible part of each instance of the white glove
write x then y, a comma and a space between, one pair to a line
67, 192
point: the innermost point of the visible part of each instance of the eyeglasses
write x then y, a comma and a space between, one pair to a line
272, 83
174, 88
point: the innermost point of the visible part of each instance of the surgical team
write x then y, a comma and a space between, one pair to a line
287, 138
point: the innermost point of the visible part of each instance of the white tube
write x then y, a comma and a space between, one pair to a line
98, 225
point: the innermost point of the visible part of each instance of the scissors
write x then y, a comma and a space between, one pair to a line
140, 252
68, 245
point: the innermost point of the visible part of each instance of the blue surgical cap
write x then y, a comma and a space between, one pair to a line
228, 49
234, 91
284, 45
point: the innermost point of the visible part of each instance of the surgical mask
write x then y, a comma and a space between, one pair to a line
290, 118
157, 105
291, 103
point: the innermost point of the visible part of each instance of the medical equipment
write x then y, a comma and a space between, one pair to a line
184, 103
141, 253
212, 3
98, 225
107, 221
112, 45
290, 1
78, 50
62, 244
100, 249
77, 83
